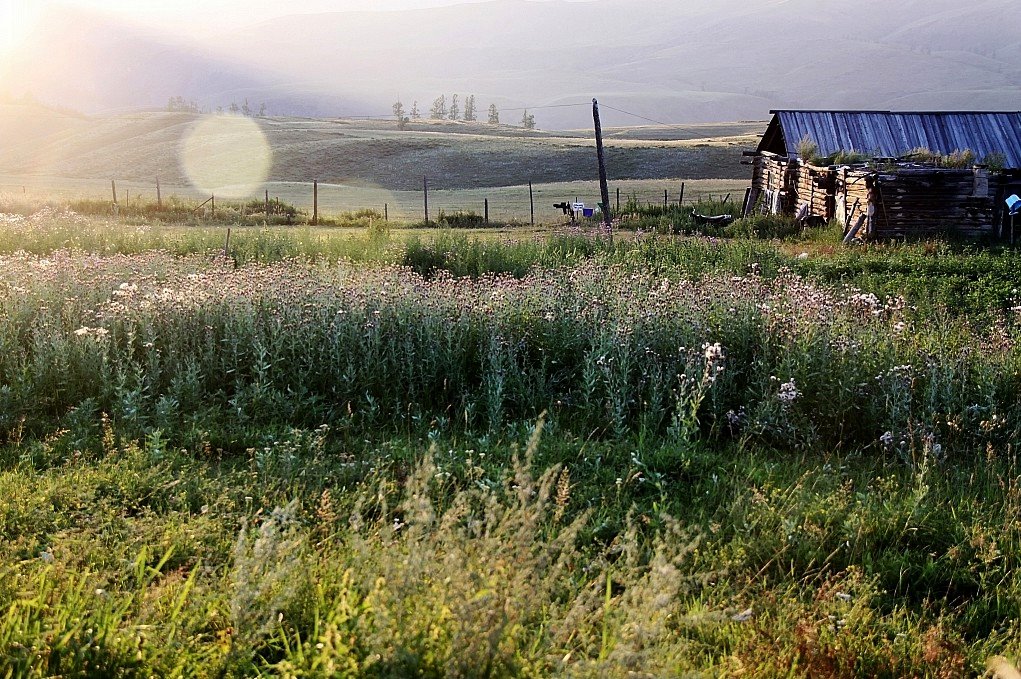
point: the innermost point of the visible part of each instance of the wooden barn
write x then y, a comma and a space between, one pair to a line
883, 174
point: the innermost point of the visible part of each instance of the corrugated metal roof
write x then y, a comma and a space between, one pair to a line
892, 135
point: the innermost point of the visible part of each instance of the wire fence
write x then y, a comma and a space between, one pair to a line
522, 204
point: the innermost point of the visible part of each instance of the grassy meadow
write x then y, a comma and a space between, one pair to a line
517, 453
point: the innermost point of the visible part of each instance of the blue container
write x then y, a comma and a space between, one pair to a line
1014, 204
589, 211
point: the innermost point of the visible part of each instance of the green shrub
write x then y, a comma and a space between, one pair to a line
461, 219
764, 226
845, 158
808, 150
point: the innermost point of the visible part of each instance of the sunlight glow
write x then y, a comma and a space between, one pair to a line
17, 21
225, 155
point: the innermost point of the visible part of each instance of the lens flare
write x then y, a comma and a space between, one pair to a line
226, 155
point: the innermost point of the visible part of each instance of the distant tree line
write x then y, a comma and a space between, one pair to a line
442, 110
180, 105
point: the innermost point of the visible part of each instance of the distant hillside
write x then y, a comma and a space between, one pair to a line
699, 60
137, 146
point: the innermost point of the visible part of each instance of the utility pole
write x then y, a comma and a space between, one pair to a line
531, 203
604, 190
425, 194
315, 202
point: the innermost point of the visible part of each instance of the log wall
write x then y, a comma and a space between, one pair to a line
797, 184
814, 187
899, 200
927, 200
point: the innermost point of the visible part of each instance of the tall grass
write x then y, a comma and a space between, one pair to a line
958, 278
185, 346
482, 561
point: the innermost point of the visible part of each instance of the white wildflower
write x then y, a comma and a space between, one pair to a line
788, 392
714, 356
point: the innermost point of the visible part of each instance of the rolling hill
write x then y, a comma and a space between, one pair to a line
136, 146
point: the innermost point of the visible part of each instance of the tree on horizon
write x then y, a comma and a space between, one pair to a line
402, 120
439, 108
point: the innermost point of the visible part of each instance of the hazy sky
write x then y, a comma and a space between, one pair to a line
195, 16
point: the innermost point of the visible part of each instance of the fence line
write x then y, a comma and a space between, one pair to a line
514, 204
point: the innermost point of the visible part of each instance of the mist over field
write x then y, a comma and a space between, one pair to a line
691, 61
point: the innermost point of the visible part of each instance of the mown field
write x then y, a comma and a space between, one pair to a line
365, 452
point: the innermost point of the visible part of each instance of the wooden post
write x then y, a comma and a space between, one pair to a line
113, 187
127, 197
618, 200
267, 203
744, 204
386, 212
487, 212
425, 195
226, 244
159, 194
315, 202
666, 199
680, 199
604, 190
531, 203
212, 206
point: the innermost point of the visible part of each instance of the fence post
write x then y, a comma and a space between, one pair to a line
267, 203
531, 203
386, 212
315, 202
681, 199
487, 212
425, 193
212, 206
159, 195
618, 200
666, 199
113, 187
